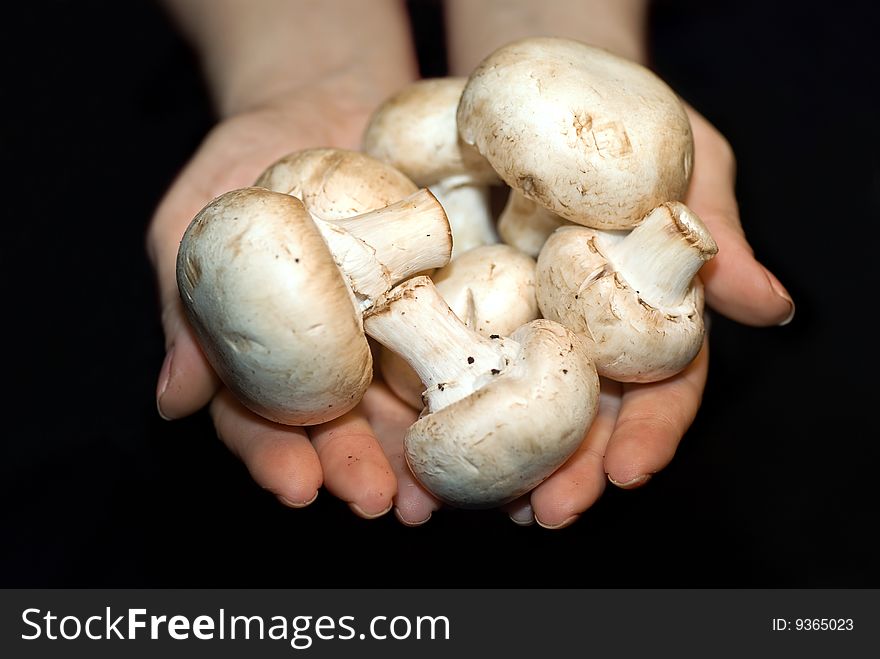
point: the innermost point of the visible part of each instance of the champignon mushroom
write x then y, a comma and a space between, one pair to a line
276, 296
634, 298
526, 225
340, 186
501, 414
592, 137
335, 184
415, 131
491, 288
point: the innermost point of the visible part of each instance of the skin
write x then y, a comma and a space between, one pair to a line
270, 104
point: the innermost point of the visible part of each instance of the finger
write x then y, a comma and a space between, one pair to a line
737, 285
578, 484
520, 511
652, 420
186, 380
390, 417
355, 468
280, 458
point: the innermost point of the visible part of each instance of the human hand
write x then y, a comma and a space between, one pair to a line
639, 426
290, 462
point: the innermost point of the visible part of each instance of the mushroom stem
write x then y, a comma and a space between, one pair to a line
378, 249
526, 225
466, 203
452, 360
661, 256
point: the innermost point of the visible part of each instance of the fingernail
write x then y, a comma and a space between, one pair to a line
707, 321
566, 522
162, 385
523, 517
407, 522
630, 484
360, 511
297, 504
779, 289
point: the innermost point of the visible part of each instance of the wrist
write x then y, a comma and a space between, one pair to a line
478, 28
354, 88
253, 52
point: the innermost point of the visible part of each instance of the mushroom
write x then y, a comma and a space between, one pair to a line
501, 414
592, 137
276, 296
491, 288
634, 298
335, 184
415, 131
527, 225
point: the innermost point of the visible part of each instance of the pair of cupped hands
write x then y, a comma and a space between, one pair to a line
359, 457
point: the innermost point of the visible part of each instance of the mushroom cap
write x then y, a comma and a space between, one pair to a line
468, 208
511, 434
335, 184
491, 288
629, 339
415, 131
271, 309
595, 138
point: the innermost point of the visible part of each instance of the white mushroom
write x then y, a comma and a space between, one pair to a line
335, 184
634, 298
501, 414
415, 131
276, 296
594, 138
491, 288
338, 186
527, 225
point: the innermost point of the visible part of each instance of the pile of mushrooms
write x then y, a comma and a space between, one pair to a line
497, 328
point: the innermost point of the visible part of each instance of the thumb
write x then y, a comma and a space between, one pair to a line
186, 380
737, 285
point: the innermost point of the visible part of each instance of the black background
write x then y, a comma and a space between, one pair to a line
102, 103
